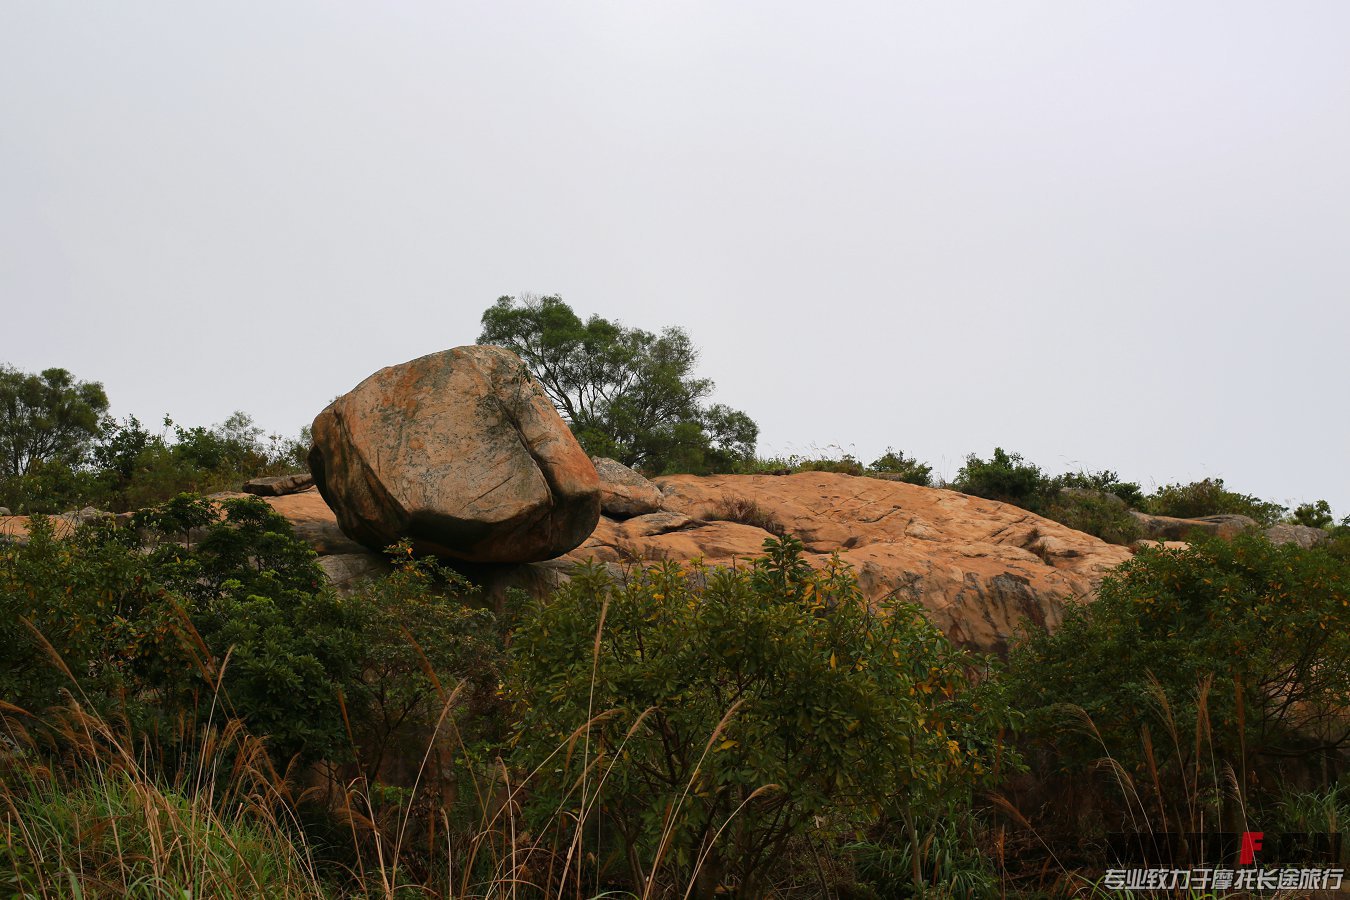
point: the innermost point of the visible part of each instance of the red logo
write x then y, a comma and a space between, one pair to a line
1251, 842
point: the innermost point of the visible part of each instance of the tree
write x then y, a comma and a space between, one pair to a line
627, 393
45, 418
1314, 515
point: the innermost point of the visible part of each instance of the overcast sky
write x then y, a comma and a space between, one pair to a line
1106, 235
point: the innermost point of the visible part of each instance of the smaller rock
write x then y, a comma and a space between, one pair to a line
1304, 535
1169, 528
656, 523
345, 570
4, 511
85, 516
279, 485
623, 492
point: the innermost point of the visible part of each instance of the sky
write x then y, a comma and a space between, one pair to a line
1104, 235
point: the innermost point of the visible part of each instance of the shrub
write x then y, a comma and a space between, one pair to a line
894, 462
1096, 513
701, 722
1209, 497
747, 512
1244, 643
227, 596
1105, 482
1007, 478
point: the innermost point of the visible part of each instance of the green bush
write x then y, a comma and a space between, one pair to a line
1103, 482
910, 470
892, 462
1314, 515
1094, 512
1233, 654
1007, 478
702, 722
227, 595
126, 467
1209, 497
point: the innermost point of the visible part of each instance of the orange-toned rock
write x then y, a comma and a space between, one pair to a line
462, 453
623, 492
15, 528
981, 568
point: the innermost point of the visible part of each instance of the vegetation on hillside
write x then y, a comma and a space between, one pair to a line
60, 450
188, 708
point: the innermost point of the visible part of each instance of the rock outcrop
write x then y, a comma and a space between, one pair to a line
1169, 528
623, 492
279, 485
461, 453
979, 567
1305, 536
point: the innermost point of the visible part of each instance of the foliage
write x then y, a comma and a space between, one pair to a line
228, 595
1007, 478
1314, 515
1248, 640
1094, 512
1105, 482
129, 467
910, 470
722, 715
627, 394
1209, 497
104, 825
46, 418
892, 463
420, 635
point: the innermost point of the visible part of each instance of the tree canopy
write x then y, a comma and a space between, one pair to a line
49, 417
627, 393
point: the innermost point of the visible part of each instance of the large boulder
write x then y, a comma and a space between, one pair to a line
460, 452
623, 492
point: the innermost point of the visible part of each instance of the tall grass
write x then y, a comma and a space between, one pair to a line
89, 808
83, 815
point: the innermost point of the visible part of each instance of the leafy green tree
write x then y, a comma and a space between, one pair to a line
47, 418
1314, 515
626, 393
733, 713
